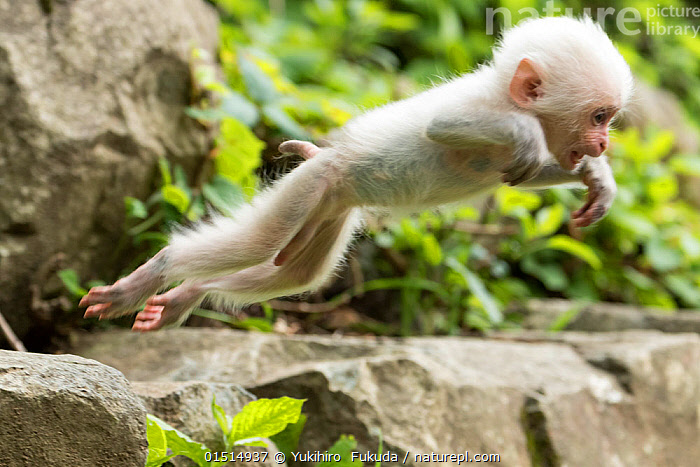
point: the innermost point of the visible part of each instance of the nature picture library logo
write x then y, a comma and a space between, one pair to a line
658, 20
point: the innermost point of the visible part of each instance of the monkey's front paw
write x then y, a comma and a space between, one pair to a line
601, 194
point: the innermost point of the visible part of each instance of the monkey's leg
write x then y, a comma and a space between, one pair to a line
306, 270
256, 233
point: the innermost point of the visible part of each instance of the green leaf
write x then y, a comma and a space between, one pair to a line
476, 287
286, 124
176, 197
634, 222
511, 201
253, 324
237, 106
177, 442
157, 445
223, 420
563, 320
238, 153
224, 195
686, 164
287, 440
263, 418
552, 275
684, 288
432, 252
164, 167
661, 256
345, 446
211, 114
259, 85
549, 219
71, 281
135, 208
576, 248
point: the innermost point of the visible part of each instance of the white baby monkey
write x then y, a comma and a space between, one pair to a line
536, 116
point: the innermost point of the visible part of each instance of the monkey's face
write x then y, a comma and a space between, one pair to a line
583, 136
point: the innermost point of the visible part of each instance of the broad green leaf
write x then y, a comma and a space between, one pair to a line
157, 445
476, 287
634, 222
510, 200
684, 288
223, 420
237, 106
686, 164
663, 188
576, 248
552, 275
662, 256
70, 279
224, 195
176, 197
345, 446
549, 219
211, 114
661, 145
263, 418
177, 442
238, 153
638, 279
287, 440
135, 208
259, 85
286, 124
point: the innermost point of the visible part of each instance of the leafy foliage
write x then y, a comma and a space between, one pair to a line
262, 418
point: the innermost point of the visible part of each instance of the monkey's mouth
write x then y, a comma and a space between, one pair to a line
574, 159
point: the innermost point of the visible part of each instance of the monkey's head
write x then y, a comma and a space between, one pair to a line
570, 76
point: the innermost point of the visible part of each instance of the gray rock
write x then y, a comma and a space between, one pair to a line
605, 317
68, 411
92, 94
532, 398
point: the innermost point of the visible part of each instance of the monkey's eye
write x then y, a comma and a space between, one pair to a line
599, 117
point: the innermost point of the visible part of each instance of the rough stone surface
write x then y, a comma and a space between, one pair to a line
92, 93
626, 398
606, 317
68, 411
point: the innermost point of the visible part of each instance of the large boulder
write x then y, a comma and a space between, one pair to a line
628, 398
542, 314
92, 93
68, 411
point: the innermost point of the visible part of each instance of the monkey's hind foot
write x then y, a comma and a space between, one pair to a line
170, 308
124, 297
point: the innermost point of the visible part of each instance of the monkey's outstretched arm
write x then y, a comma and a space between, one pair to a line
521, 132
595, 173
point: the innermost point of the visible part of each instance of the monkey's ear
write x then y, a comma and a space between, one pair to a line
526, 85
